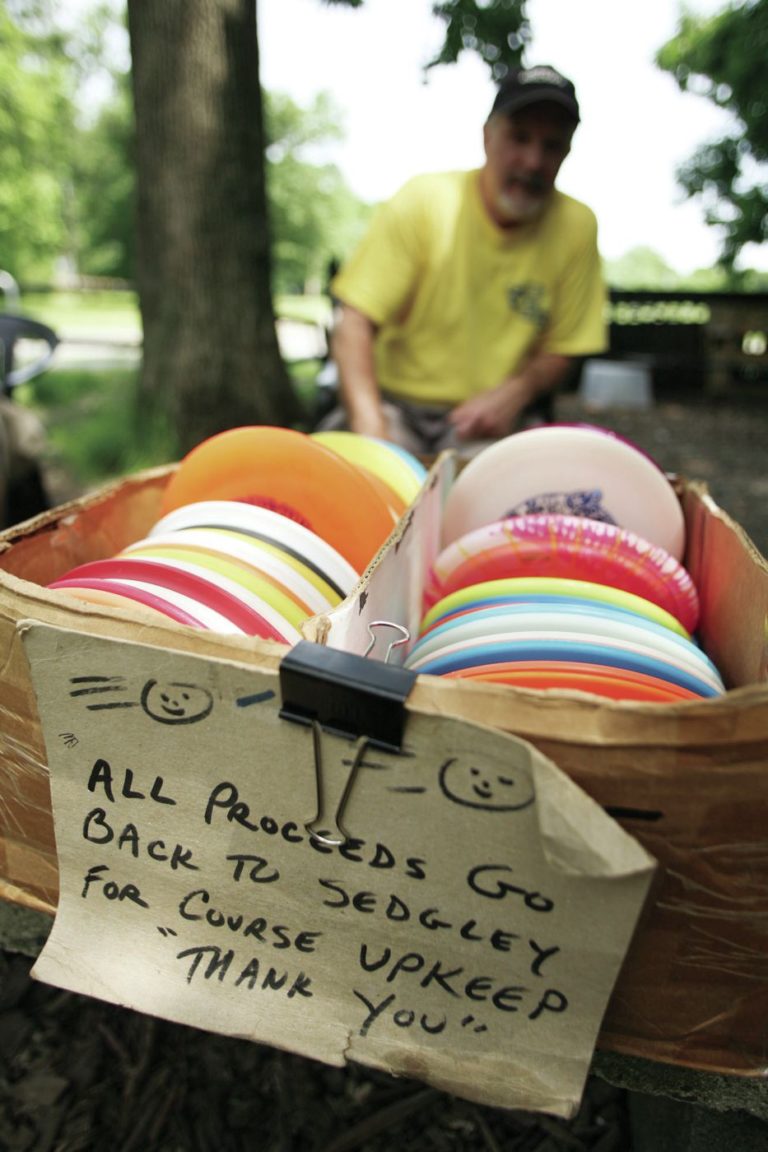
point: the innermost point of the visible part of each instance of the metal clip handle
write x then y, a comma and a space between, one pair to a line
322, 834
350, 696
404, 637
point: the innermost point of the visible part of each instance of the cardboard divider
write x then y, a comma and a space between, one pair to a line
689, 781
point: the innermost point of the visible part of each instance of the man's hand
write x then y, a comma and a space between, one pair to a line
495, 413
490, 415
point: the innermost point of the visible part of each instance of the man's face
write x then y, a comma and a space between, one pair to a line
523, 154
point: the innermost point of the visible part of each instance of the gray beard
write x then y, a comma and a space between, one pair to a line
517, 209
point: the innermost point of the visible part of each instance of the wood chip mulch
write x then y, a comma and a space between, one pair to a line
78, 1075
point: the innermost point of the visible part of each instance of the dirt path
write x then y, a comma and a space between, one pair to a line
724, 444
81, 1076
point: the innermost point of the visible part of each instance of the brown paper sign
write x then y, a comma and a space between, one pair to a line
467, 932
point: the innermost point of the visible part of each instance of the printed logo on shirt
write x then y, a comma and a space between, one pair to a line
581, 502
529, 301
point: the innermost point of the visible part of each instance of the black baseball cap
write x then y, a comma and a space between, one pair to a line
525, 86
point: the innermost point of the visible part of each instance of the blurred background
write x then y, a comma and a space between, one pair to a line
172, 207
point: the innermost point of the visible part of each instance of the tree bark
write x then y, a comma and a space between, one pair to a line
211, 358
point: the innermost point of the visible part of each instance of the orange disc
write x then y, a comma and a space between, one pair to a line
290, 473
615, 683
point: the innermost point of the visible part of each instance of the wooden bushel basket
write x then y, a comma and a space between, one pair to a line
690, 781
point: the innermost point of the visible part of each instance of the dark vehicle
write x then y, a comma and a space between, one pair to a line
27, 348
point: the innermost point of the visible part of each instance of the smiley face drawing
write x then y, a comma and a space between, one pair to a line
493, 787
174, 702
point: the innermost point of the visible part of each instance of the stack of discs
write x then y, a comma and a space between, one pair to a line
393, 465
260, 529
545, 580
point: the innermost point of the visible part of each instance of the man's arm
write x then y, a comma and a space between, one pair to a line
352, 347
492, 414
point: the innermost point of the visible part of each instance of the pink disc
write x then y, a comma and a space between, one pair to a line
570, 547
207, 592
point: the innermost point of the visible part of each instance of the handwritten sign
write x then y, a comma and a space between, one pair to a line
467, 932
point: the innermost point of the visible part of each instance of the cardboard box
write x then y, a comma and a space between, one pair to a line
690, 782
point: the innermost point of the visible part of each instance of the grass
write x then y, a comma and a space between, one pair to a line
89, 413
90, 421
118, 310
90, 417
92, 312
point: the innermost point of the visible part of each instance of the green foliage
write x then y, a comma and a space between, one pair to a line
67, 175
752, 280
313, 215
67, 183
90, 417
723, 59
90, 413
497, 30
92, 429
643, 269
62, 186
36, 120
87, 312
290, 128
104, 190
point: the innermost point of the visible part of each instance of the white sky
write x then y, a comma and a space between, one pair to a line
636, 126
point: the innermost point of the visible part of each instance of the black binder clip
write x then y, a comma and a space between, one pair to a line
349, 696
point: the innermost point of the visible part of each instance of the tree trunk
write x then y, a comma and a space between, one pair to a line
211, 357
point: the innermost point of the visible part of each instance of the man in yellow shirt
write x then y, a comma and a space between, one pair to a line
466, 301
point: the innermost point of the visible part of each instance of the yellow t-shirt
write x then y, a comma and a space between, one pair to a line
460, 303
